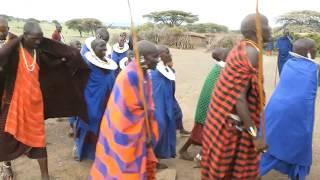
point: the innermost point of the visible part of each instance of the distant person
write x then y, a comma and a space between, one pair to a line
96, 94
162, 90
75, 44
269, 48
230, 143
284, 46
5, 37
165, 54
55, 93
120, 50
123, 149
218, 54
57, 34
289, 115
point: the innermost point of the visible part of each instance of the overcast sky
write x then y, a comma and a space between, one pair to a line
226, 12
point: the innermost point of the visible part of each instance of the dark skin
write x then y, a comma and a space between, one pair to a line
76, 44
304, 47
4, 28
102, 33
220, 54
253, 57
99, 47
149, 55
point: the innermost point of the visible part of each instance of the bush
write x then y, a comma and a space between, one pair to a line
223, 40
160, 34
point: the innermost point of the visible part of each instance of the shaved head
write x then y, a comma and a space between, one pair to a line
248, 27
4, 28
150, 53
305, 46
220, 54
32, 27
3, 21
99, 47
102, 33
162, 48
146, 47
32, 35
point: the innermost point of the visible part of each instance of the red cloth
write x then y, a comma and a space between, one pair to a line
56, 36
226, 152
25, 119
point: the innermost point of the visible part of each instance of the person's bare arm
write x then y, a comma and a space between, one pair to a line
242, 104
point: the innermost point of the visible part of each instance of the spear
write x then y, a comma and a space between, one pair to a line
151, 158
260, 69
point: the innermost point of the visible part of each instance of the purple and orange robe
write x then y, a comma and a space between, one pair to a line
121, 151
228, 153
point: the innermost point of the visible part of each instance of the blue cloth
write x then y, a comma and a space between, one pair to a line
284, 46
162, 90
289, 119
177, 109
116, 57
97, 91
269, 46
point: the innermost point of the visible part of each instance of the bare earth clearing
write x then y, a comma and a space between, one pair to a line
192, 67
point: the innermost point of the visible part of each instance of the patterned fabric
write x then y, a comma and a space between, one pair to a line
25, 119
122, 151
226, 152
205, 95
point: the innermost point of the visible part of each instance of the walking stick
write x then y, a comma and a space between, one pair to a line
260, 69
151, 159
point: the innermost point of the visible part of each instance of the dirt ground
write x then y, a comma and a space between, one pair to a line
192, 66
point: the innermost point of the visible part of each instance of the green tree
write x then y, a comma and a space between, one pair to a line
91, 24
171, 17
301, 21
76, 24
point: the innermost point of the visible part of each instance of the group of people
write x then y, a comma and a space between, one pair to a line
123, 112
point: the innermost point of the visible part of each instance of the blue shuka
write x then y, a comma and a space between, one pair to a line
284, 45
162, 91
118, 54
96, 93
289, 119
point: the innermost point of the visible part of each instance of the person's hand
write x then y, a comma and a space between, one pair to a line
259, 145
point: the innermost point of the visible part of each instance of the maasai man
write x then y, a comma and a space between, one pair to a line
75, 44
165, 54
5, 37
230, 145
101, 33
284, 46
123, 150
97, 91
164, 101
219, 54
120, 50
57, 34
56, 77
289, 115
